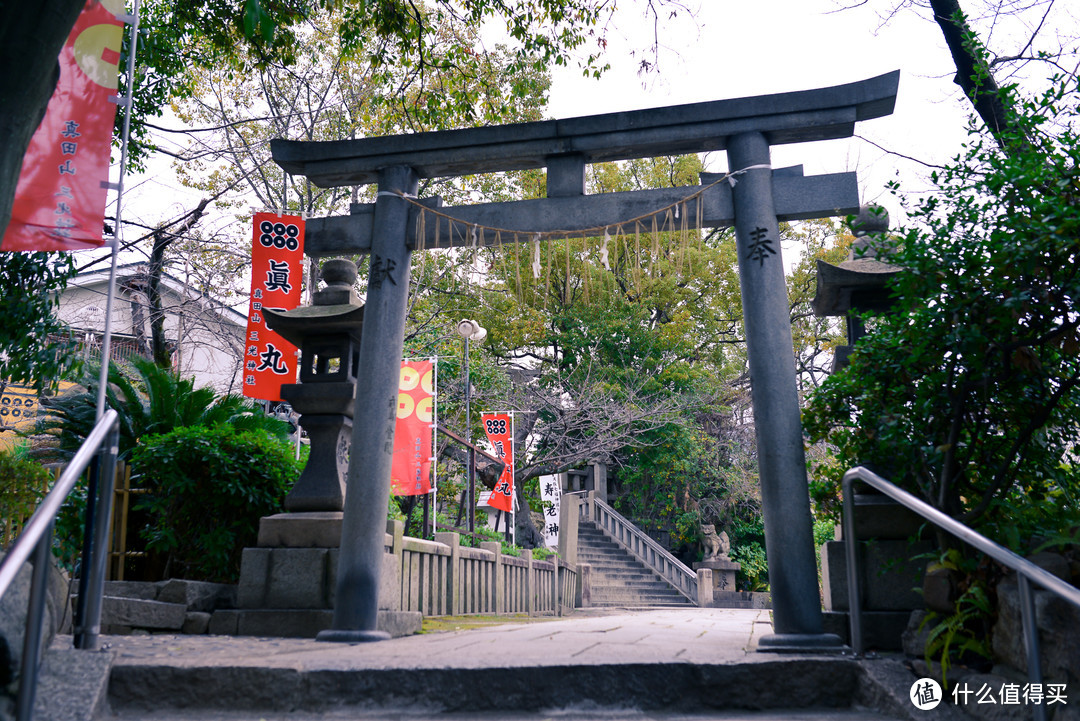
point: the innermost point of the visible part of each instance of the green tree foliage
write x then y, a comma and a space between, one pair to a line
207, 487
967, 392
640, 364
326, 92
410, 49
149, 400
25, 484
34, 345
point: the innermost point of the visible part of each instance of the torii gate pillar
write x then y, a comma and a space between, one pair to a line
360, 564
789, 535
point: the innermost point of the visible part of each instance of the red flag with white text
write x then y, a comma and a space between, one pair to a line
60, 197
500, 432
277, 272
410, 473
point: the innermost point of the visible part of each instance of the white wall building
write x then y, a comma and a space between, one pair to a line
205, 337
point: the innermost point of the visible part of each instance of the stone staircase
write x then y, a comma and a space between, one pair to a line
642, 665
619, 579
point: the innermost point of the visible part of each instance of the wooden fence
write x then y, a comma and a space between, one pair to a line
444, 578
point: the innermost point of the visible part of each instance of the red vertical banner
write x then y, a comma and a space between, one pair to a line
500, 432
60, 197
410, 474
277, 271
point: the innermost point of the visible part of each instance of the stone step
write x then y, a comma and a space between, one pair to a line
545, 715
618, 588
624, 576
154, 689
619, 579
656, 591
622, 564
645, 598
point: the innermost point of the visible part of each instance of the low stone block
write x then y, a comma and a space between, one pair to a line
73, 685
138, 613
196, 623
285, 623
198, 595
913, 640
881, 630
254, 578
13, 625
315, 529
225, 622
891, 573
1059, 632
880, 517
145, 590
306, 623
299, 578
400, 623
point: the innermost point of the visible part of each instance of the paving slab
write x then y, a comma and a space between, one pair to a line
618, 637
598, 664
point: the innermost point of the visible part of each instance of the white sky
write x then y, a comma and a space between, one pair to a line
737, 49
728, 49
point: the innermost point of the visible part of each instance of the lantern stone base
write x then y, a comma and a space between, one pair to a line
314, 529
723, 573
287, 584
302, 623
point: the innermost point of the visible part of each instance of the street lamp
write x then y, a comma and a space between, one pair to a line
470, 330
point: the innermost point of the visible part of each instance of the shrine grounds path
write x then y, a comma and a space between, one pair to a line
637, 664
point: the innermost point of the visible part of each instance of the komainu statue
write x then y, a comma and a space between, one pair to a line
716, 547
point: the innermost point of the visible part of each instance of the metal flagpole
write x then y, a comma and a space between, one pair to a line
434, 442
100, 490
118, 232
513, 481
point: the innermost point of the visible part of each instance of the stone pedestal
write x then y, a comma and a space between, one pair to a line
288, 583
316, 529
723, 573
892, 566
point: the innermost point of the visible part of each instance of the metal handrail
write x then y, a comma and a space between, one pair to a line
1027, 572
683, 580
36, 539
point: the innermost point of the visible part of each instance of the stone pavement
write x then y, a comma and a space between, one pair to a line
635, 664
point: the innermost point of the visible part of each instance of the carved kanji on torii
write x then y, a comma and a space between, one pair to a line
757, 199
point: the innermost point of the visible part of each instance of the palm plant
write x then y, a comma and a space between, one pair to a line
149, 400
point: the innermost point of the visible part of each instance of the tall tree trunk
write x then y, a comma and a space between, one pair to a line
163, 238
972, 68
31, 36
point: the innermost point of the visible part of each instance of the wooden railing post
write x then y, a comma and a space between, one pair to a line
704, 588
530, 582
555, 590
395, 564
453, 571
497, 604
569, 516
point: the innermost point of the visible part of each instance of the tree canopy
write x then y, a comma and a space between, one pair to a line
176, 35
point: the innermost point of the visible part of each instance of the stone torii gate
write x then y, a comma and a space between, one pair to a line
759, 198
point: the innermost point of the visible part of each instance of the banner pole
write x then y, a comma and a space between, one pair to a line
118, 232
434, 444
513, 483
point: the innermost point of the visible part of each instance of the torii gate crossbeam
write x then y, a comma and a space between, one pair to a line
745, 128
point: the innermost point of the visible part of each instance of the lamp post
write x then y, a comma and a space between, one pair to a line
470, 330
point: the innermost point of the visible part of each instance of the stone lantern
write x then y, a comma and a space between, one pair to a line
859, 284
328, 335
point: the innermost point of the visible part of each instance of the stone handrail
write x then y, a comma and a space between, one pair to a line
642, 546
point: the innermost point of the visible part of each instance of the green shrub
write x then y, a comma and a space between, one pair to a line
207, 489
23, 485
